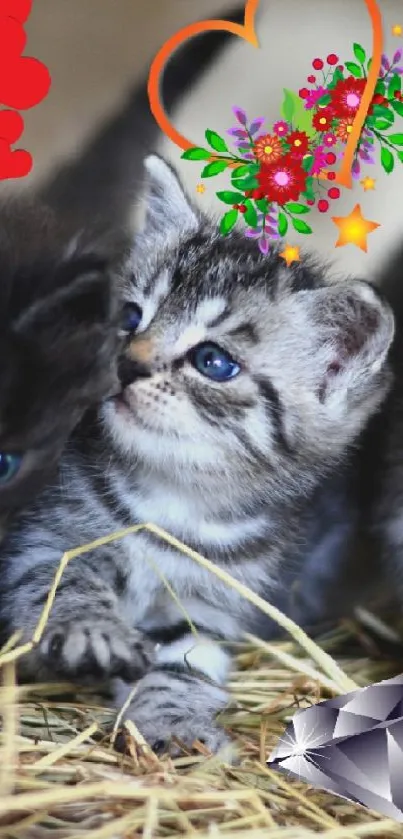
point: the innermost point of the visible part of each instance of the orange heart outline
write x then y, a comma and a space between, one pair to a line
247, 33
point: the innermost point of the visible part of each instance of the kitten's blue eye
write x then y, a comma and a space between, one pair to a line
132, 315
10, 465
214, 362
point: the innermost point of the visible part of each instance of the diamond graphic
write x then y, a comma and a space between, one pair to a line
351, 746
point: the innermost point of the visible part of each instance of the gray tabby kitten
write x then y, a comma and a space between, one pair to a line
380, 465
254, 381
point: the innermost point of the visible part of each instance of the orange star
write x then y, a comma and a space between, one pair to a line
367, 183
200, 188
397, 29
290, 254
354, 229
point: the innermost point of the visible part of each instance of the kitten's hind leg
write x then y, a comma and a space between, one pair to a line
178, 701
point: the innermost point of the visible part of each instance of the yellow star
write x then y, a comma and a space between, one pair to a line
290, 254
200, 188
354, 229
397, 29
367, 183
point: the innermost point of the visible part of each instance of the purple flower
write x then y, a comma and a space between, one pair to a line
241, 146
256, 125
237, 132
264, 245
398, 70
313, 97
365, 153
397, 56
248, 156
252, 233
271, 232
356, 169
240, 115
385, 62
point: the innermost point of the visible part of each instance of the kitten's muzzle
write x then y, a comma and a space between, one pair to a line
129, 371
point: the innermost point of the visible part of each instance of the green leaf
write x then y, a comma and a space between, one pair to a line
309, 194
215, 141
387, 160
400, 156
383, 112
301, 226
297, 208
245, 169
337, 76
288, 106
380, 87
359, 53
324, 100
282, 224
395, 85
251, 215
214, 168
293, 110
229, 197
307, 162
369, 64
354, 69
262, 205
381, 124
228, 221
196, 153
398, 107
244, 183
396, 139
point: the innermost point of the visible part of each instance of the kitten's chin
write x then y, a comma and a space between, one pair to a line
131, 437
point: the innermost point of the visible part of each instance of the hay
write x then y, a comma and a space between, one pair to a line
60, 776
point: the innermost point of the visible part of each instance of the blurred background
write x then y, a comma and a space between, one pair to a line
96, 50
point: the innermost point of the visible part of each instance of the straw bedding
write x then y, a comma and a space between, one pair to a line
60, 775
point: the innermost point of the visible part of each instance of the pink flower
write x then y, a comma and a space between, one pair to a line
313, 97
329, 139
281, 128
319, 161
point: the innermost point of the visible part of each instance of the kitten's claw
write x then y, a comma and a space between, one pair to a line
174, 709
94, 650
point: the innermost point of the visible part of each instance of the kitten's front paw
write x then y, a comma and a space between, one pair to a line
173, 706
93, 650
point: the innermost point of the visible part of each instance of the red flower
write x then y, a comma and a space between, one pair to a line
344, 129
268, 148
323, 119
298, 142
283, 180
346, 96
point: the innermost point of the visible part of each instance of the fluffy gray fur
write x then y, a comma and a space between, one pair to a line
231, 468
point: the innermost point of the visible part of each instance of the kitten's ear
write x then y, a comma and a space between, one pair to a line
82, 297
167, 205
357, 327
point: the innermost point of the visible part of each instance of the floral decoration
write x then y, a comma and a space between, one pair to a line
277, 172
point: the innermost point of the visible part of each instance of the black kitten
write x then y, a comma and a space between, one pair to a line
59, 334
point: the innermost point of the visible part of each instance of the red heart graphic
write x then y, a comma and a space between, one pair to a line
18, 9
11, 126
13, 164
24, 82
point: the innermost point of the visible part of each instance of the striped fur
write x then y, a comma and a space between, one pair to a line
230, 469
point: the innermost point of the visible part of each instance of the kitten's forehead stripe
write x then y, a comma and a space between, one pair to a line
275, 411
245, 331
